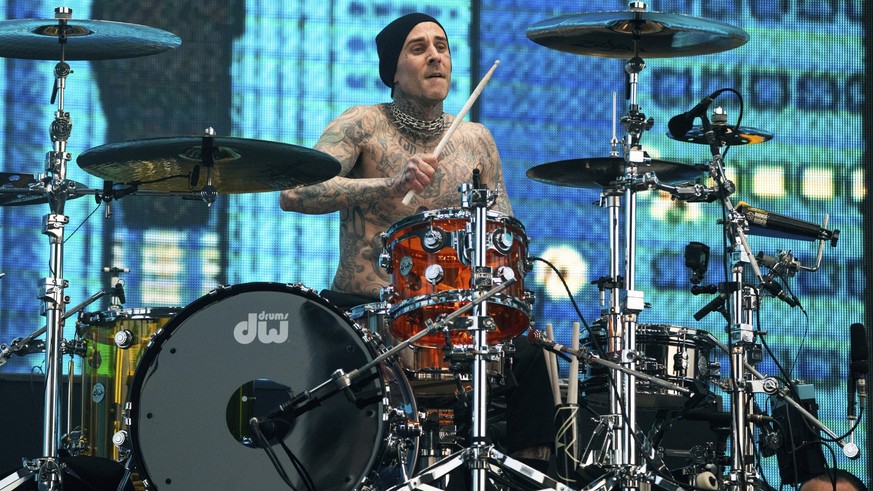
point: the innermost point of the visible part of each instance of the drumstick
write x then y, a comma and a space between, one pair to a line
445, 140
552, 366
573, 381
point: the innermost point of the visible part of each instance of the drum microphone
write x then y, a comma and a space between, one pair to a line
770, 440
768, 224
783, 263
119, 292
680, 124
777, 291
280, 420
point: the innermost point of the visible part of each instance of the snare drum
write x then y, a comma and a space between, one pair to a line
239, 352
679, 355
426, 367
431, 273
114, 343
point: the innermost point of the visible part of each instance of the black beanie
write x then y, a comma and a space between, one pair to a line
389, 43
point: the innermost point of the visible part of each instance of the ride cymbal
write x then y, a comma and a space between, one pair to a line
39, 39
727, 135
236, 165
601, 172
624, 34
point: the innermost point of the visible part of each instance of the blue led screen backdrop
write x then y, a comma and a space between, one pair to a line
280, 71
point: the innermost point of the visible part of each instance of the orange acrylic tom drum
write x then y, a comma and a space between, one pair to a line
431, 273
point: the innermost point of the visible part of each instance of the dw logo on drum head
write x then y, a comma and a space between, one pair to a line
255, 327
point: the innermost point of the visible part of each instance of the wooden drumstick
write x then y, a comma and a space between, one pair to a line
573, 379
445, 140
552, 367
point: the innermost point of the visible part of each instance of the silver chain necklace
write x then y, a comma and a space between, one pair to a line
417, 127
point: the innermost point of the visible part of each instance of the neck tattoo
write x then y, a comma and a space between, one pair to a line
417, 127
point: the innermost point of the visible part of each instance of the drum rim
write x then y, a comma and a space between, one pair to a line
447, 214
418, 301
222, 292
378, 308
109, 316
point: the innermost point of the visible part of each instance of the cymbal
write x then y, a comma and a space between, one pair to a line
600, 172
726, 134
612, 34
177, 164
37, 39
23, 189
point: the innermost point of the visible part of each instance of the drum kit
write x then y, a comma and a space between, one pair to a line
456, 295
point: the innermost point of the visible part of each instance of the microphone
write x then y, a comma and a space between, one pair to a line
785, 263
857, 367
681, 123
769, 224
714, 305
770, 440
777, 291
118, 291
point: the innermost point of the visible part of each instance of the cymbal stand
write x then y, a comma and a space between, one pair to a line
48, 468
625, 301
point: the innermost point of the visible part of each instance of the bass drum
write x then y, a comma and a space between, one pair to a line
238, 353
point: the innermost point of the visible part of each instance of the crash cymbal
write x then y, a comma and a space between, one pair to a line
727, 135
37, 39
24, 189
177, 164
613, 34
599, 172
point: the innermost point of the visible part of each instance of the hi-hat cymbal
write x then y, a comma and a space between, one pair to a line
177, 164
38, 39
727, 135
624, 34
23, 189
600, 172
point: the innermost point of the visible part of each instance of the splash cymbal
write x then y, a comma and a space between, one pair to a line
180, 164
727, 135
624, 34
601, 172
38, 39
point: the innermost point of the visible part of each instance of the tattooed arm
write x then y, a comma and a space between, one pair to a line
343, 139
348, 138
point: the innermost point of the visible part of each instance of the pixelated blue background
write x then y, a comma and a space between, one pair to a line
293, 66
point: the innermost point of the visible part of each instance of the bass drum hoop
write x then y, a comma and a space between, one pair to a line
376, 411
